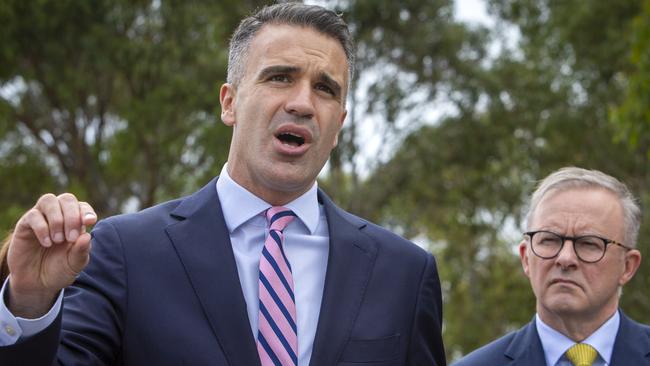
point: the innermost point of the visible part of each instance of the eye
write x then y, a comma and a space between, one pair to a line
548, 239
325, 88
591, 242
280, 78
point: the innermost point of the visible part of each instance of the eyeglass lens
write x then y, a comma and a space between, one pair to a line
548, 245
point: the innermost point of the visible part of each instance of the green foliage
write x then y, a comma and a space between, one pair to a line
460, 184
26, 178
632, 122
421, 38
633, 116
112, 100
461, 197
117, 101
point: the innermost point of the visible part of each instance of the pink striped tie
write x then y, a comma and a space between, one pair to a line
277, 339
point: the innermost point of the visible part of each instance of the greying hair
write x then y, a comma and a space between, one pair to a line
572, 177
316, 17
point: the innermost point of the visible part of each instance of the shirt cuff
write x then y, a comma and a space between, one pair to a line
13, 328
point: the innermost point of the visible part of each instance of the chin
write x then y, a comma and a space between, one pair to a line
564, 305
288, 180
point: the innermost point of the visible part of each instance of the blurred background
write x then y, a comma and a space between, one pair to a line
457, 110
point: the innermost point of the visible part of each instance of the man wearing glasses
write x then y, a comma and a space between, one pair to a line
578, 252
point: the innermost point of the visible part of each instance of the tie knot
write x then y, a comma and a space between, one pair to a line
581, 354
279, 217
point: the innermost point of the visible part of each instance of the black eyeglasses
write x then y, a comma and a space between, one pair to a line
588, 248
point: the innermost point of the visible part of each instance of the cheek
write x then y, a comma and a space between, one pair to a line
537, 274
330, 135
331, 117
536, 284
600, 281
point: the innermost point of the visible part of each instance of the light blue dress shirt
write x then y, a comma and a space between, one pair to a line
12, 328
306, 245
555, 344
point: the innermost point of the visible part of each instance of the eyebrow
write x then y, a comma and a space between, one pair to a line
283, 69
325, 78
277, 69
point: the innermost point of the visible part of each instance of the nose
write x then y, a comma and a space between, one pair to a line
567, 256
300, 102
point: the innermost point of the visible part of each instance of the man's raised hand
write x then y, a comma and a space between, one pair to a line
49, 248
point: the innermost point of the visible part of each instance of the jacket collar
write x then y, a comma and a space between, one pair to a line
632, 345
526, 348
351, 259
202, 242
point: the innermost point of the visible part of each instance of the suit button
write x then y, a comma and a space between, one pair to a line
10, 330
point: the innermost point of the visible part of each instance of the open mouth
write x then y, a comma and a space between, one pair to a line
292, 139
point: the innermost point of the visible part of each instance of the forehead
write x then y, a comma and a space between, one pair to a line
304, 47
587, 208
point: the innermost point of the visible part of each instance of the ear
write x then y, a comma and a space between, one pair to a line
227, 100
523, 256
632, 263
336, 138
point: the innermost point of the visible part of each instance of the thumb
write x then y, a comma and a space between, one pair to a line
79, 253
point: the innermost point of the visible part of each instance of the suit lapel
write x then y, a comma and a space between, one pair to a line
632, 346
525, 349
351, 259
202, 242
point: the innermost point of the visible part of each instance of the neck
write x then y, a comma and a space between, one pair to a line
576, 327
270, 192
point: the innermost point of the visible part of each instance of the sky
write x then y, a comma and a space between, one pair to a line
472, 11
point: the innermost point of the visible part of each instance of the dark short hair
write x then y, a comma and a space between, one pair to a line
316, 17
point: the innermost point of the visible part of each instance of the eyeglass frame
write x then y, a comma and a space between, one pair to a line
573, 240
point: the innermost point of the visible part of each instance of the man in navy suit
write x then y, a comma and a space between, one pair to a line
177, 284
578, 252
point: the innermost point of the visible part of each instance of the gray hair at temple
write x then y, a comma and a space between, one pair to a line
572, 177
316, 17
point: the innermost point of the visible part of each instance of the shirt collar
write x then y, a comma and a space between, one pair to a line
240, 205
555, 344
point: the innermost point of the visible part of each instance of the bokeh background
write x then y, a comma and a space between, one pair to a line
451, 123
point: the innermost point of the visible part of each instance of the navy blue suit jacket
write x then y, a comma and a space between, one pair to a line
162, 288
524, 348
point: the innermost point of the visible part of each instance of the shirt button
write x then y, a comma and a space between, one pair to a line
10, 330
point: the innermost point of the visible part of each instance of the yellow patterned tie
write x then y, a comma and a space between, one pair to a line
581, 354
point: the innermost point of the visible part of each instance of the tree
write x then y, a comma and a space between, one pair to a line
459, 184
402, 48
631, 119
115, 101
585, 48
633, 115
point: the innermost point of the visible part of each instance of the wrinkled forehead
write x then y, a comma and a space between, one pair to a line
286, 42
581, 207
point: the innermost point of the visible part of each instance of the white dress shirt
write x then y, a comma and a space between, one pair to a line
306, 245
556, 344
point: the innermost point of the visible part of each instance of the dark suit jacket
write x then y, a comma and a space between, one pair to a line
523, 347
162, 288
